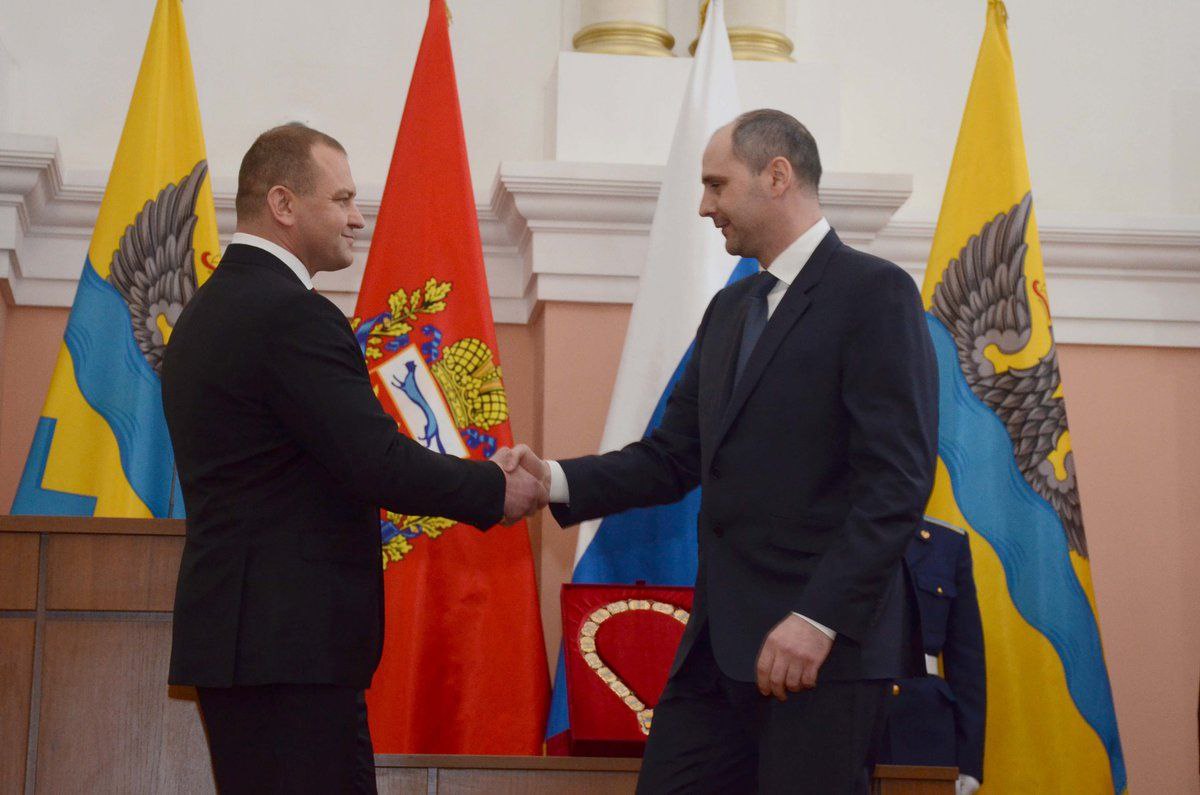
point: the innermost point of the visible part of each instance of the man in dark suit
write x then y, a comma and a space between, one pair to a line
285, 457
939, 719
808, 414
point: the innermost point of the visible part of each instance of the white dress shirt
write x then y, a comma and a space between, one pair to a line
785, 268
288, 258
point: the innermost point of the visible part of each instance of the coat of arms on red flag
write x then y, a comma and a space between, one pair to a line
424, 322
447, 395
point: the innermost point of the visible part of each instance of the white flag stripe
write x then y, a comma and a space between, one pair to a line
686, 263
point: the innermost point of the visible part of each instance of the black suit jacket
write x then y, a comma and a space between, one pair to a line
285, 457
815, 468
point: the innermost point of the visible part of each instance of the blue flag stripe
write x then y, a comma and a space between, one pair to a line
119, 384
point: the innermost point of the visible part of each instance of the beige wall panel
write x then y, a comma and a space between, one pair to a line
526, 782
16, 677
112, 572
18, 571
402, 781
32, 337
581, 349
104, 723
519, 363
1135, 430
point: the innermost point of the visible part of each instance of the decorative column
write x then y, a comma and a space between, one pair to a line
755, 29
624, 27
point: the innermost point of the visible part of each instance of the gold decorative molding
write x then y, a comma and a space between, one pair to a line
756, 44
749, 42
620, 37
759, 44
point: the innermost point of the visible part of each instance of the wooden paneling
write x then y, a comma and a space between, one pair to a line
112, 572
16, 682
107, 723
525, 782
18, 571
183, 765
400, 781
91, 525
913, 780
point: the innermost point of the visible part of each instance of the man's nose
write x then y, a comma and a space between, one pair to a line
356, 218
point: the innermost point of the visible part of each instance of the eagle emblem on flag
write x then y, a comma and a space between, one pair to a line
982, 301
153, 268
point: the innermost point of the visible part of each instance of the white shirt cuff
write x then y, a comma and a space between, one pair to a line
559, 492
967, 785
826, 631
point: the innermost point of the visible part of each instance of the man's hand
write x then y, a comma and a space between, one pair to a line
533, 465
524, 494
790, 657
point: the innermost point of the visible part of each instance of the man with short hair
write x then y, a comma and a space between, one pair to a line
808, 413
285, 457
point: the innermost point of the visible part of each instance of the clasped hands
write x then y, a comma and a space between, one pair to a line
793, 651
526, 482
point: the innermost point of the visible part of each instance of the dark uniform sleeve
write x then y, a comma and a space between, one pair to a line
320, 390
963, 660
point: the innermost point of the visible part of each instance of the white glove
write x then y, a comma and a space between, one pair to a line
966, 785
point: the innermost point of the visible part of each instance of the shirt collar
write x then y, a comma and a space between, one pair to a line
791, 260
282, 254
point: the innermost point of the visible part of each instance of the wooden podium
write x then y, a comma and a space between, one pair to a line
85, 636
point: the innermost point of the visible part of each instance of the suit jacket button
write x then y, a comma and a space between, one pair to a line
925, 535
718, 532
895, 689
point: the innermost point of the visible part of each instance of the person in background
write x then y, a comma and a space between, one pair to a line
939, 719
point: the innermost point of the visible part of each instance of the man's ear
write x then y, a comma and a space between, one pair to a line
780, 172
281, 203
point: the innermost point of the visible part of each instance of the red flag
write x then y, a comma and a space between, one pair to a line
464, 665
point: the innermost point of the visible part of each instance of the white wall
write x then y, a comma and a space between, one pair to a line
1110, 89
342, 67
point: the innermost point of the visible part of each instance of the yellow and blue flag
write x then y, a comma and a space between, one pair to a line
101, 446
1005, 467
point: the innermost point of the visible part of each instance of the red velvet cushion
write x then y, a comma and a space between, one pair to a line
635, 630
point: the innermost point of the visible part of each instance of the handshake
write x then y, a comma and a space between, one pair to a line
526, 482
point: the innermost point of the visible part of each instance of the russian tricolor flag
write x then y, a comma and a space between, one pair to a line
685, 266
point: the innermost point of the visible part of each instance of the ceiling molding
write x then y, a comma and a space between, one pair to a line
578, 232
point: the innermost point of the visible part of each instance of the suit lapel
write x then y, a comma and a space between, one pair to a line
728, 356
793, 306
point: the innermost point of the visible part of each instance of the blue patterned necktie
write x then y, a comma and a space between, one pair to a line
756, 318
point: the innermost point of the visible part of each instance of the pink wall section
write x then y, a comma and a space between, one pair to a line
30, 346
1135, 429
5, 311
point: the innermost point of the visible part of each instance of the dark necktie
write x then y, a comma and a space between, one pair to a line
756, 318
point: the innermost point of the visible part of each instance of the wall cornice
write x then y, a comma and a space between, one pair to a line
577, 232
